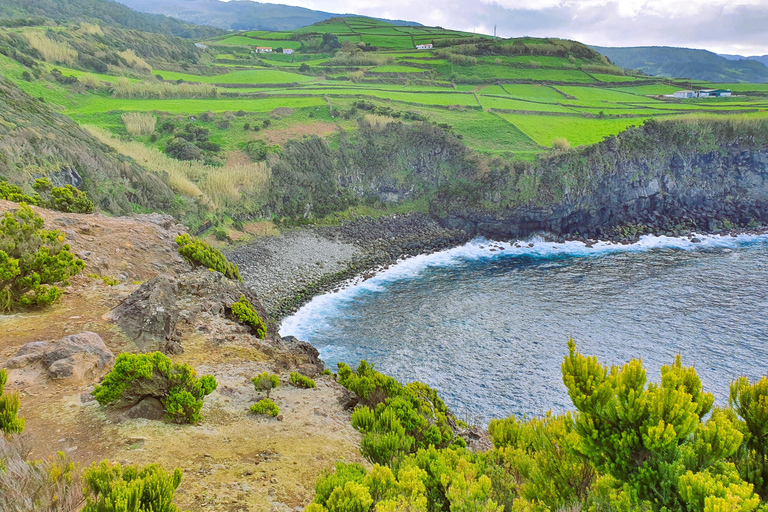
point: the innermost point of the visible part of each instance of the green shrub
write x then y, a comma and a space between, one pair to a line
64, 199
301, 381
244, 311
265, 382
176, 386
131, 489
327, 372
650, 438
14, 193
198, 252
397, 420
10, 423
33, 261
265, 406
750, 403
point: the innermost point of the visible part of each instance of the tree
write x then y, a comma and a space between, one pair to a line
33, 261
330, 42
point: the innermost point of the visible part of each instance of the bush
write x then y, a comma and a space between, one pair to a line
265, 382
301, 381
33, 261
198, 252
244, 311
137, 376
27, 485
265, 406
10, 423
750, 403
649, 438
14, 193
66, 199
181, 149
560, 143
114, 488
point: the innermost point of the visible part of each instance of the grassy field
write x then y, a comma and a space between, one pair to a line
576, 130
250, 76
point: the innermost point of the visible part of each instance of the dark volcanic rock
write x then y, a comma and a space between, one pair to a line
149, 408
80, 356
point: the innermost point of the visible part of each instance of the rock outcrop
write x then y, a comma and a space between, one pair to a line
81, 356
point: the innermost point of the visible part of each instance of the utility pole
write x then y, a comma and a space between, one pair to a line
494, 32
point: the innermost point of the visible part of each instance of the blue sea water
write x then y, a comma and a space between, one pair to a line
487, 324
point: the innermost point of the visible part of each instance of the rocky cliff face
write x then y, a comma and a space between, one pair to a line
693, 190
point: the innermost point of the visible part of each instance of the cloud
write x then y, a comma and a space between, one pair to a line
735, 26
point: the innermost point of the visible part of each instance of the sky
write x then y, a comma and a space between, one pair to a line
723, 26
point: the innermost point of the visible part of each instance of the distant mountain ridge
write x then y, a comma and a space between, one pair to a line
686, 63
104, 11
240, 14
758, 58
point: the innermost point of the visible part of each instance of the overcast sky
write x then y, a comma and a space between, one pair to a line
722, 26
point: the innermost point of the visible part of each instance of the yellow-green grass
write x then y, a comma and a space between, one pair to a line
95, 104
511, 104
393, 68
487, 133
250, 41
599, 95
648, 90
577, 130
613, 78
533, 92
266, 34
395, 41
249, 76
741, 87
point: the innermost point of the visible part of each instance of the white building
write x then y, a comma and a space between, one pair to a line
683, 94
263, 49
288, 51
704, 93
424, 46
201, 45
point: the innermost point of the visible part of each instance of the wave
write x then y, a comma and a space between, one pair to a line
312, 316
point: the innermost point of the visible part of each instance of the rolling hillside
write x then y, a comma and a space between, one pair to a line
21, 12
686, 63
238, 14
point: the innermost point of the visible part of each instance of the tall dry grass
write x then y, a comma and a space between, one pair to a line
146, 89
131, 60
91, 28
376, 122
52, 51
138, 123
216, 187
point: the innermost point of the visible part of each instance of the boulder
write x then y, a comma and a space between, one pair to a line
81, 356
149, 408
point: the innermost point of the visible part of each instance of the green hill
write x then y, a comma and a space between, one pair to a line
686, 63
237, 14
20, 12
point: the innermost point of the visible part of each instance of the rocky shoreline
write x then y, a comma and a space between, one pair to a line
288, 271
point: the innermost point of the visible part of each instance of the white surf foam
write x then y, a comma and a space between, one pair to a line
313, 315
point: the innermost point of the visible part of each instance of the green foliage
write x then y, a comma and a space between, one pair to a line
176, 386
112, 488
397, 420
244, 311
750, 404
10, 423
266, 382
33, 261
198, 252
265, 406
301, 381
66, 199
650, 437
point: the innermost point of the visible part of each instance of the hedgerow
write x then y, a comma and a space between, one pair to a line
112, 488
244, 311
265, 406
10, 423
198, 252
265, 382
302, 381
176, 386
33, 262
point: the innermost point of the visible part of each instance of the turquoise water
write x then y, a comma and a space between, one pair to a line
487, 324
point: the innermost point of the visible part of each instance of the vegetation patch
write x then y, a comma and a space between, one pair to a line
10, 423
148, 488
198, 252
138, 376
265, 382
301, 381
265, 406
244, 311
34, 262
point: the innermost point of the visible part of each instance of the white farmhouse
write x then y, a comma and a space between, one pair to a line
424, 46
287, 51
683, 94
263, 49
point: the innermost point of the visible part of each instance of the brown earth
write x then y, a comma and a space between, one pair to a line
232, 460
283, 135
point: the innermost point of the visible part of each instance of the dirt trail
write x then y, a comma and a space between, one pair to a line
233, 460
